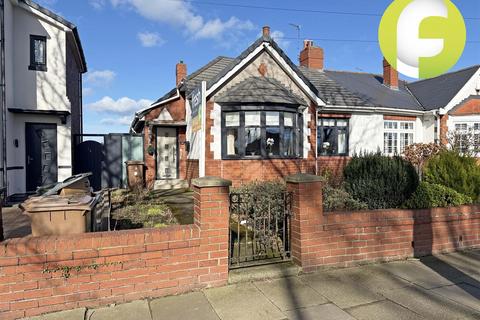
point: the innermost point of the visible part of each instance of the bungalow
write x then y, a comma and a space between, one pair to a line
260, 116
41, 69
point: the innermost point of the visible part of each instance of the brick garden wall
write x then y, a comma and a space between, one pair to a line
131, 264
349, 238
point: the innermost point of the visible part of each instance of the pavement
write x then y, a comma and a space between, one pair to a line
442, 287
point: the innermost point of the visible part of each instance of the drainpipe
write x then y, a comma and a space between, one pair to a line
3, 102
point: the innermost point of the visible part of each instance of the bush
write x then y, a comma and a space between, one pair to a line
337, 199
460, 173
262, 196
380, 181
430, 195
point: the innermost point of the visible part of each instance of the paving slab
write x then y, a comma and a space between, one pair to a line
430, 304
416, 272
76, 314
336, 287
467, 262
128, 311
188, 306
242, 301
374, 279
462, 293
322, 312
290, 293
382, 310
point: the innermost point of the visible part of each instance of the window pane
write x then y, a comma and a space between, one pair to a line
288, 142
232, 119
232, 142
252, 141
406, 125
328, 122
390, 143
342, 123
252, 118
406, 139
328, 141
273, 141
476, 126
39, 47
272, 118
288, 119
342, 142
390, 125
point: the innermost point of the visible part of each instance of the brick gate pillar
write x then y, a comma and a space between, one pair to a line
307, 217
211, 216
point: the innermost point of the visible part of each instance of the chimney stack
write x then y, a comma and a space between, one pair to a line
266, 31
181, 71
390, 75
311, 56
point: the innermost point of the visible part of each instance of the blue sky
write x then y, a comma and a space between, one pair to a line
132, 46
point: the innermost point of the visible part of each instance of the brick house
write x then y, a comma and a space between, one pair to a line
260, 116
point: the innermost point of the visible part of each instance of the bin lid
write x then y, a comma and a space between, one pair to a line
67, 182
58, 203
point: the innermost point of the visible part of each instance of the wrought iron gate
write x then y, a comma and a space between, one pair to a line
259, 230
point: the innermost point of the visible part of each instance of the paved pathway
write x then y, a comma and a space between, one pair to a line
446, 287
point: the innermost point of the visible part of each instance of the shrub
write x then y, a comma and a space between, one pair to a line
430, 195
261, 196
380, 181
460, 173
337, 199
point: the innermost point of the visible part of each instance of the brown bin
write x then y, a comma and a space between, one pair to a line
135, 174
59, 215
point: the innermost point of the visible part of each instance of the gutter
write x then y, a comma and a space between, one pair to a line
370, 109
3, 98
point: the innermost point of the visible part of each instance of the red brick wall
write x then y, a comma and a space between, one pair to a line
333, 165
349, 238
471, 106
149, 263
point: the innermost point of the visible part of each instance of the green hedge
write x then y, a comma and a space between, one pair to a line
460, 173
380, 181
430, 195
337, 199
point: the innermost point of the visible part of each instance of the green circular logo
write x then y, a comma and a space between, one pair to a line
422, 38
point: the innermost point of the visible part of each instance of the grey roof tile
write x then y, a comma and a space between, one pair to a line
260, 90
438, 92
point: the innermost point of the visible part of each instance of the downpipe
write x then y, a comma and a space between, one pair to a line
3, 101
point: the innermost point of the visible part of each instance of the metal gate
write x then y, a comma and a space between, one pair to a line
259, 230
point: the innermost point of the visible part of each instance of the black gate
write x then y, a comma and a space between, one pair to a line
259, 230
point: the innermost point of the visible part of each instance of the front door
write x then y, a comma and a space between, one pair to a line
41, 155
167, 156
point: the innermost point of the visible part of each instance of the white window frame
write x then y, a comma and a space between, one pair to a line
396, 128
468, 127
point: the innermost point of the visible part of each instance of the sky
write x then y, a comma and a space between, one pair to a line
132, 46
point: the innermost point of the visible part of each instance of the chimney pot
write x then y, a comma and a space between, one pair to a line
390, 75
311, 57
181, 72
266, 31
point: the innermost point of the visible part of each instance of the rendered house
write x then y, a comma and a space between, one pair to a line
41, 106
260, 116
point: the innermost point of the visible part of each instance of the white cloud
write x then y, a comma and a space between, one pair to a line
181, 14
124, 121
97, 4
278, 37
100, 77
122, 105
87, 92
150, 39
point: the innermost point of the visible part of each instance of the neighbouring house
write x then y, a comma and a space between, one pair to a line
260, 116
41, 104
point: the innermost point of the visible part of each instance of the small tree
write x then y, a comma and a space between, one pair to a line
464, 142
418, 154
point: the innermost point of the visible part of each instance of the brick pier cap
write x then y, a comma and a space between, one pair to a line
209, 181
303, 178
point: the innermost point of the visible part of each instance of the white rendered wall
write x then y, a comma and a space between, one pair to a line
366, 133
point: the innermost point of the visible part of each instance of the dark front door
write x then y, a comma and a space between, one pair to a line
41, 154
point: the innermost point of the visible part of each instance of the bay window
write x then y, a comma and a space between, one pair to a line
254, 134
397, 135
332, 137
